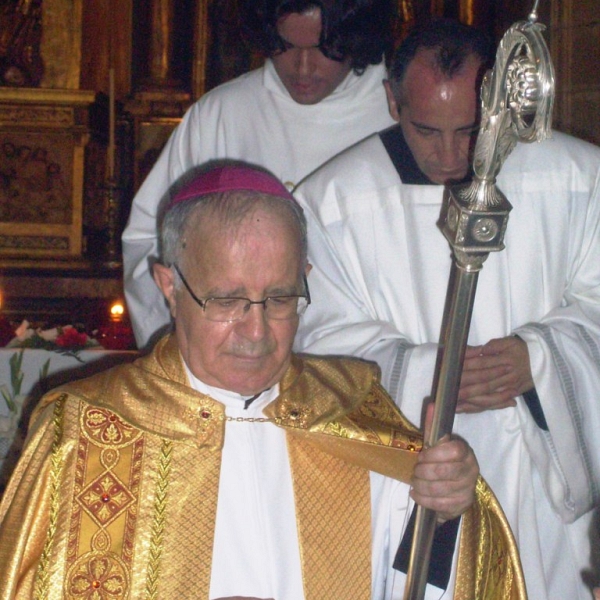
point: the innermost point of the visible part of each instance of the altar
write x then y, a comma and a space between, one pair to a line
27, 374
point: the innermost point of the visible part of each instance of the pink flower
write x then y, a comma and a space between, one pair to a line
23, 331
70, 337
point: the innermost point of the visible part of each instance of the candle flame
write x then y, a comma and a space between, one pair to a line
117, 310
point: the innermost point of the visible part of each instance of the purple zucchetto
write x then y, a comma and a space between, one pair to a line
228, 178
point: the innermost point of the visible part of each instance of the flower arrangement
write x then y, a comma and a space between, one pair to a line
65, 340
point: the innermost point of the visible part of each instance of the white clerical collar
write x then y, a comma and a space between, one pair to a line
227, 397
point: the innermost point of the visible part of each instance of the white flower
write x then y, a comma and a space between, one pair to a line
23, 331
49, 335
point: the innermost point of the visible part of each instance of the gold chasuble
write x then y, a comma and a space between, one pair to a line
115, 496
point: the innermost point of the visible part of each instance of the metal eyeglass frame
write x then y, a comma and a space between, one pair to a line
202, 303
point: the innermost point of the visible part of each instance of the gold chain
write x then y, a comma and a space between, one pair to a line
251, 419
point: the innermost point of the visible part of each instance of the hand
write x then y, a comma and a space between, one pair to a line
597, 593
242, 598
494, 374
445, 475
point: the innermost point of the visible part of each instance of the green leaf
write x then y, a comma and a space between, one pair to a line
12, 407
16, 374
44, 370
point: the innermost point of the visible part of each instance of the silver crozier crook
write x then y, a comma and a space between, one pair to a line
517, 98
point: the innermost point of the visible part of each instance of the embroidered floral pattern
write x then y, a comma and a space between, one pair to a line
105, 498
98, 577
106, 428
42, 584
134, 488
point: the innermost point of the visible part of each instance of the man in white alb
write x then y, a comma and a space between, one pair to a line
318, 93
528, 401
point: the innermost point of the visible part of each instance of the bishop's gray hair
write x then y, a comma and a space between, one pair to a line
228, 209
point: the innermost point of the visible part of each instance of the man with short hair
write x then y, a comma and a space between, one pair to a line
431, 96
318, 92
528, 398
222, 465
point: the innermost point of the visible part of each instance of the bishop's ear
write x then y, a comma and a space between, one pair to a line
164, 278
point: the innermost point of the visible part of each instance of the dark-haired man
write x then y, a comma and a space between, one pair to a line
528, 399
318, 93
431, 95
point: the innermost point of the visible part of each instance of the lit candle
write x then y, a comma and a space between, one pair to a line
111, 123
116, 311
117, 333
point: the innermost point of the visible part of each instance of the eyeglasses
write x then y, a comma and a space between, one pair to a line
226, 310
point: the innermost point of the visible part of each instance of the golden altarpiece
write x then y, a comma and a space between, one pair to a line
90, 90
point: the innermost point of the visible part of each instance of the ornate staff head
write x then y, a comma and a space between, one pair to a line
517, 96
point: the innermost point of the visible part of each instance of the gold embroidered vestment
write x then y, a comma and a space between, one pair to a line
115, 495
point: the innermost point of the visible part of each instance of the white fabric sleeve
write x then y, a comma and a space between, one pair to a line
564, 352
567, 384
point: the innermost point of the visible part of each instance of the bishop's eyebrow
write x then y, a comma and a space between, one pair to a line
291, 290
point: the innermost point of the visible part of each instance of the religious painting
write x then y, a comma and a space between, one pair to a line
41, 173
36, 200
36, 184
